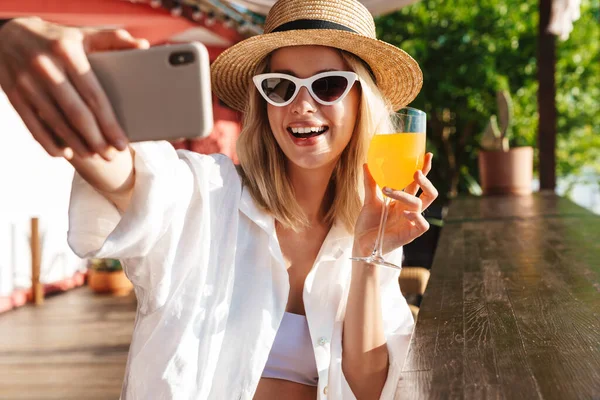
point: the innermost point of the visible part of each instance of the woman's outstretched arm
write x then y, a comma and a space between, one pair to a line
45, 74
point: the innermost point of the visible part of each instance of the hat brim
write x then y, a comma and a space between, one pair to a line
397, 74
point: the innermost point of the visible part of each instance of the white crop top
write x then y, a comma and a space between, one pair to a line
292, 357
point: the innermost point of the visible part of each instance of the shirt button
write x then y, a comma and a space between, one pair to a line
322, 341
325, 390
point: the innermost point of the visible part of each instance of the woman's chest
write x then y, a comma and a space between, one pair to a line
300, 252
274, 273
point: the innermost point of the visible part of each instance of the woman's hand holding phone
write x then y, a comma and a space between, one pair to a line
46, 75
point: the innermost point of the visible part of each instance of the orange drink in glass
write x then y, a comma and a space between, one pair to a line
396, 152
394, 158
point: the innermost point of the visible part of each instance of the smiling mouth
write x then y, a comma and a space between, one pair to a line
309, 134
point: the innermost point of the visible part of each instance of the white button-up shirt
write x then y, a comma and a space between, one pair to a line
211, 281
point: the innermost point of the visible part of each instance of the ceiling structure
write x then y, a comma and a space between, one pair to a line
377, 7
249, 15
216, 23
221, 23
157, 22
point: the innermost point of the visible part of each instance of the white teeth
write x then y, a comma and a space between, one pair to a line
308, 129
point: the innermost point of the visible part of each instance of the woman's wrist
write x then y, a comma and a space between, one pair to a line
361, 249
362, 269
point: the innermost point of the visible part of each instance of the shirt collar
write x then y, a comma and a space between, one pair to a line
261, 218
265, 221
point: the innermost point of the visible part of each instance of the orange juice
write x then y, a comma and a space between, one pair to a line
394, 158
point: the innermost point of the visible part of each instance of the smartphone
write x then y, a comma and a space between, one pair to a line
160, 93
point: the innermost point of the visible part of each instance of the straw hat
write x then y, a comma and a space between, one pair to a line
343, 24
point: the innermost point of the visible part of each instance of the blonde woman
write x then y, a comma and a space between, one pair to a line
243, 275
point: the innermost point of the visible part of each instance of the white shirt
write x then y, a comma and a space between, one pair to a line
211, 281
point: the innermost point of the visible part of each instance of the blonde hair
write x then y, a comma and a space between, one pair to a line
263, 163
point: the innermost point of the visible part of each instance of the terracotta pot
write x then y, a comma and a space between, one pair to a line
115, 282
506, 172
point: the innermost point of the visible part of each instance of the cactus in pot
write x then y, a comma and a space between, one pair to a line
503, 170
496, 134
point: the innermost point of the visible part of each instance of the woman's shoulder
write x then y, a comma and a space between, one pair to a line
209, 171
217, 168
201, 158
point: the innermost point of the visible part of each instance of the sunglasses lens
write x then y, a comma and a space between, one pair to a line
330, 88
279, 90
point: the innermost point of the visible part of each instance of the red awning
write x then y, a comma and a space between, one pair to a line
155, 24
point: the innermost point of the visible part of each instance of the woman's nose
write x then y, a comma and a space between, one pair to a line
303, 103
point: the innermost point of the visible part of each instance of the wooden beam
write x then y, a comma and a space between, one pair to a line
546, 68
37, 289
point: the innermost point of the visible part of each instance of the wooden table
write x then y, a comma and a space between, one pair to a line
512, 310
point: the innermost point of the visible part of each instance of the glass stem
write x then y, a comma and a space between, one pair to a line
378, 250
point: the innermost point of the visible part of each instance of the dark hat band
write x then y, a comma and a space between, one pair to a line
301, 24
311, 24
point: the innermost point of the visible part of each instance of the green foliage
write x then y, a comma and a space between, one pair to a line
470, 50
578, 97
105, 264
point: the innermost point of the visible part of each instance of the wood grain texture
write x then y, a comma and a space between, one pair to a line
73, 347
512, 310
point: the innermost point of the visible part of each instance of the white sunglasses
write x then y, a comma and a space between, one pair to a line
326, 88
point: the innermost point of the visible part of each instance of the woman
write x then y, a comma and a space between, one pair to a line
243, 276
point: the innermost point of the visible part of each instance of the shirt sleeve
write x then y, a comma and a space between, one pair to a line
146, 236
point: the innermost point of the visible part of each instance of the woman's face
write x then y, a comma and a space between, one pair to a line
305, 112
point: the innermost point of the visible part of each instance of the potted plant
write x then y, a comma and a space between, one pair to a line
106, 276
504, 170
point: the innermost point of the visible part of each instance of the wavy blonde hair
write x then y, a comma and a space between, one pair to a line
263, 163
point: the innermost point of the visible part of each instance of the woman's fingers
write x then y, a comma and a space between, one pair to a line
72, 106
413, 188
418, 222
428, 161
89, 89
37, 129
430, 193
51, 116
54, 57
408, 201
118, 39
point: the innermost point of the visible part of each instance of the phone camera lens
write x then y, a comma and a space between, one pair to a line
181, 58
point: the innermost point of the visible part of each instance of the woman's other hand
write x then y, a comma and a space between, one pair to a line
405, 221
46, 75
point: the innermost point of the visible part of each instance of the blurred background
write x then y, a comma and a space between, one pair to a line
470, 52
